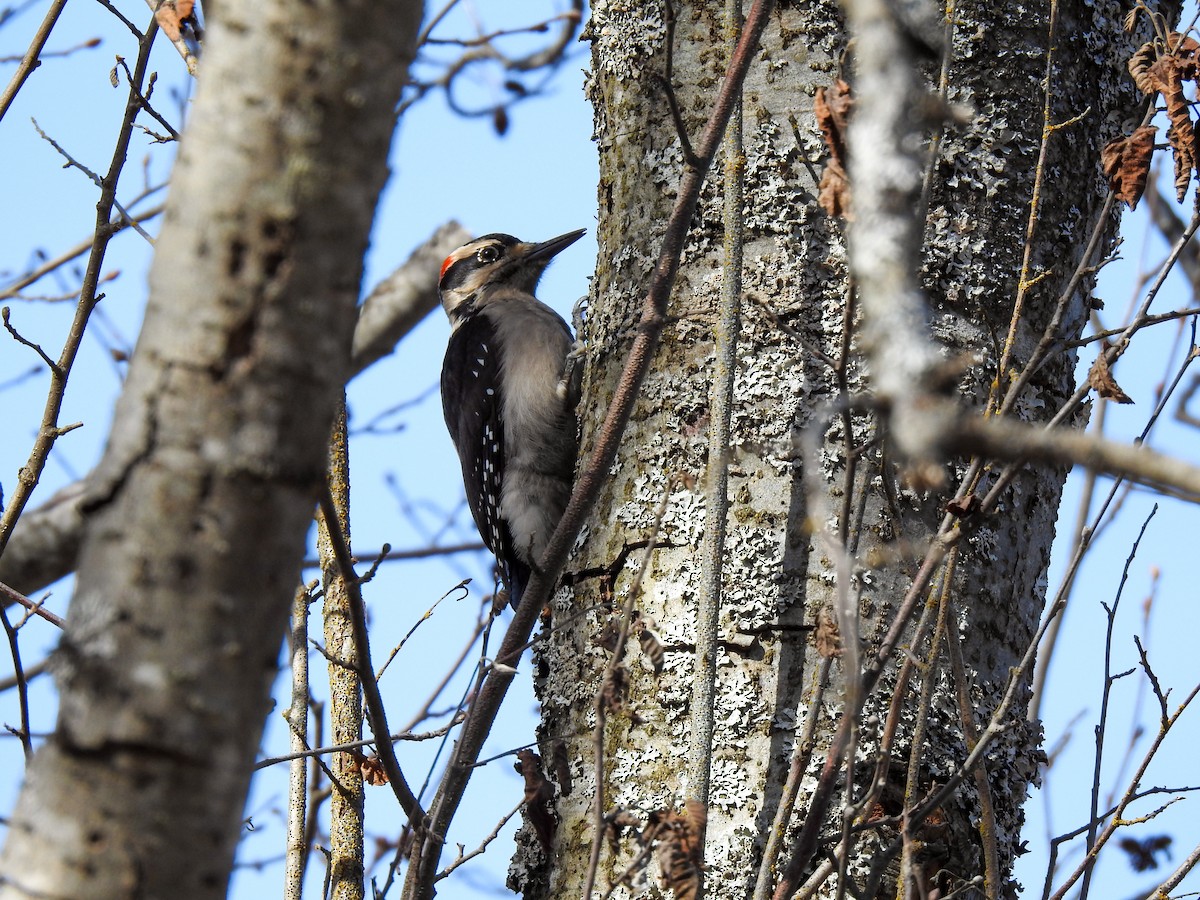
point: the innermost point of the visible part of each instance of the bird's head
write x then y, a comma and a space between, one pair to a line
495, 261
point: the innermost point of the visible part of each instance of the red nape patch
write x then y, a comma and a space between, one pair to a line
447, 264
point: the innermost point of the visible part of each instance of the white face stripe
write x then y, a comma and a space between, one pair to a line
467, 251
462, 276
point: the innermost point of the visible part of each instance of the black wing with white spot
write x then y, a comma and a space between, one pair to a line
471, 404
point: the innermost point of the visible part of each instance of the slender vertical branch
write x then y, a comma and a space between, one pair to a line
801, 756
30, 60
345, 682
712, 551
987, 810
22, 682
296, 851
1106, 694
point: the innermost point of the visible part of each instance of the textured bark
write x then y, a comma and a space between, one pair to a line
345, 686
199, 508
779, 575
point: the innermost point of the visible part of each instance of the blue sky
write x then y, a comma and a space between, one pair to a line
536, 182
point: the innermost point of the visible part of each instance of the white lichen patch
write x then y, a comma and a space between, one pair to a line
627, 34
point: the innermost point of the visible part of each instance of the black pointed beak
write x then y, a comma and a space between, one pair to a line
547, 250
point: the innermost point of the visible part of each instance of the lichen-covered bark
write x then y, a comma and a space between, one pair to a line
778, 574
199, 509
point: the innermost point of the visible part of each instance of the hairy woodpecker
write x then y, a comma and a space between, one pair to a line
509, 396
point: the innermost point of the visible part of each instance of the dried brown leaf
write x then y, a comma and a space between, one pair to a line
1182, 138
616, 823
1168, 74
697, 814
170, 16
372, 770
680, 848
500, 120
828, 637
1150, 64
609, 634
1139, 67
832, 106
614, 690
1165, 72
1186, 49
652, 647
963, 506
834, 193
1100, 378
1126, 163
539, 797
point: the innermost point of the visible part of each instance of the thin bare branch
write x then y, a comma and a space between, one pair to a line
31, 59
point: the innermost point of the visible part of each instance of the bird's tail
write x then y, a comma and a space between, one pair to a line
515, 575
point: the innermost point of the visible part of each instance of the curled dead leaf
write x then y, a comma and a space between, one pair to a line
827, 636
1100, 378
680, 845
171, 15
372, 771
963, 506
1126, 163
1139, 67
832, 106
652, 647
539, 797
1159, 68
614, 689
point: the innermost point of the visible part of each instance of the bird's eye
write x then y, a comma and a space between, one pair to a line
488, 254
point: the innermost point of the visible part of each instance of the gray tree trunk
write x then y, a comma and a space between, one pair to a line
199, 509
778, 570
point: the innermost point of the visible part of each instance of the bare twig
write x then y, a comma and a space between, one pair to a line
72, 162
22, 684
492, 835
1117, 817
296, 849
313, 753
34, 606
21, 339
966, 712
1026, 280
30, 60
1101, 730
716, 512
1177, 876
802, 752
45, 542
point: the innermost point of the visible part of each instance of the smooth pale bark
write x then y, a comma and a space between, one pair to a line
778, 574
198, 511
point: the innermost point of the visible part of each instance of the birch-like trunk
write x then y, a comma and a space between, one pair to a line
780, 555
200, 506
